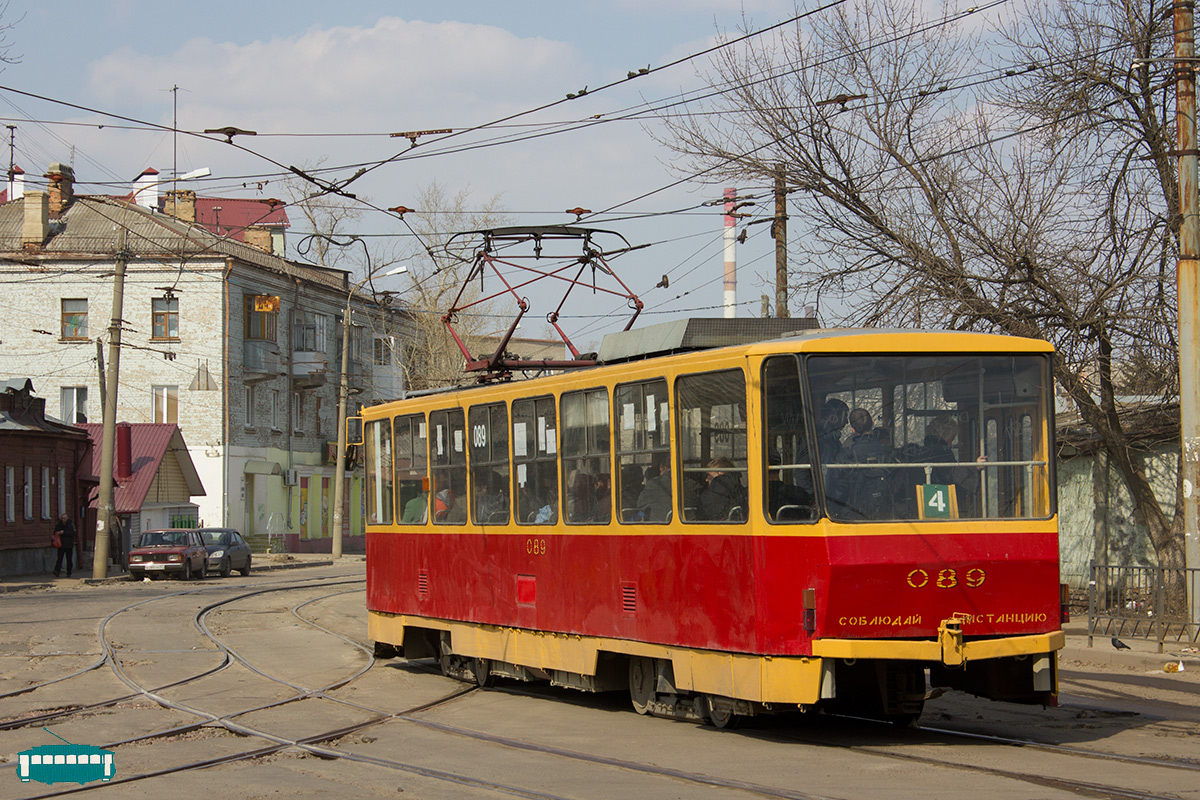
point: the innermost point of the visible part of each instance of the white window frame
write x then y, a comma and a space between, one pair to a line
72, 403
161, 401
28, 493
45, 493
10, 494
249, 406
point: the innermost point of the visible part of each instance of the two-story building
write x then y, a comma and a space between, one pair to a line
239, 347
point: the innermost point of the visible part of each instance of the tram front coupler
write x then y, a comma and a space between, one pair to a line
950, 636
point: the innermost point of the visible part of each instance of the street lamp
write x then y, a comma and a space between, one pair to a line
105, 511
339, 476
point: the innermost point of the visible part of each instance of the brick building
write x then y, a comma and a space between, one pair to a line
238, 347
45, 471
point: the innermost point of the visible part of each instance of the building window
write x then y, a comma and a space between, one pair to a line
310, 332
73, 404
166, 404
165, 318
297, 412
28, 493
45, 493
384, 351
261, 313
320, 428
75, 319
274, 409
249, 406
10, 494
62, 491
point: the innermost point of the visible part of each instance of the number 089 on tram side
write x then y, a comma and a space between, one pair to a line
829, 519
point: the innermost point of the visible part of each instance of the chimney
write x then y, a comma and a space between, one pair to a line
258, 236
62, 187
145, 189
36, 226
124, 452
16, 184
181, 204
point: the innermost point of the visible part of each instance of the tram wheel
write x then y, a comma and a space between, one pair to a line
721, 715
483, 672
641, 683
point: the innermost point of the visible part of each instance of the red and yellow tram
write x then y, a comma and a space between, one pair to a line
831, 519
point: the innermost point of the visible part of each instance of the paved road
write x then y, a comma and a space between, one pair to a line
259, 687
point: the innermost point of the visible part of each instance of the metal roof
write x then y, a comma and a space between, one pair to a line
91, 228
684, 335
149, 444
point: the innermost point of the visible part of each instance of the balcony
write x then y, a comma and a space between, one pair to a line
260, 360
309, 369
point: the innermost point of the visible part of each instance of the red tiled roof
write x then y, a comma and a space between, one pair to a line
149, 444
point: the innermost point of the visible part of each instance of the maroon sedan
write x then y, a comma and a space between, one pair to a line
175, 552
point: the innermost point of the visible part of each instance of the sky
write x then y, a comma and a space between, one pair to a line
324, 84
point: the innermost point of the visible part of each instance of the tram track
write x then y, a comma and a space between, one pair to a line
322, 744
314, 744
310, 744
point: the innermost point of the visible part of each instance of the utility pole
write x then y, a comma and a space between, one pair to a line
106, 510
730, 253
1188, 282
779, 234
339, 473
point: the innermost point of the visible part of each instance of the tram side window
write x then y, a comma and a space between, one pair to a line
412, 469
489, 464
586, 468
712, 446
535, 454
789, 487
378, 445
449, 473
643, 451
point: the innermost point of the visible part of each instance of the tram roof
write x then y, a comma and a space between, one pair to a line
690, 335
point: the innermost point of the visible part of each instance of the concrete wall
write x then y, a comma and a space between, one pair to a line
1096, 513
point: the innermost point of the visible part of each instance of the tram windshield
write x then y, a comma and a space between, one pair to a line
925, 436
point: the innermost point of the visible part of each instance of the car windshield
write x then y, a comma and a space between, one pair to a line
164, 539
213, 537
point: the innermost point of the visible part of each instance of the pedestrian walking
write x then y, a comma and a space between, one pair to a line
63, 538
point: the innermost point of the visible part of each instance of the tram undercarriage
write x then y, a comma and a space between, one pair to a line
703, 686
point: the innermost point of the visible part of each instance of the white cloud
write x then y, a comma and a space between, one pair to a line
346, 78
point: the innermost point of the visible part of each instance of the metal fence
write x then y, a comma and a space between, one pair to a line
1148, 602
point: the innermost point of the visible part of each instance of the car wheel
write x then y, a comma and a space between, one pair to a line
226, 567
202, 573
246, 569
187, 571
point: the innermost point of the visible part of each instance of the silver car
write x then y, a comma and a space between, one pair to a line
227, 551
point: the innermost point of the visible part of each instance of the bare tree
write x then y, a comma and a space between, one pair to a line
932, 188
438, 266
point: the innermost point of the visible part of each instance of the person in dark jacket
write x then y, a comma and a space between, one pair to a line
655, 498
724, 492
66, 544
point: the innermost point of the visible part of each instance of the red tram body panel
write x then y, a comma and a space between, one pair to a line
779, 604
